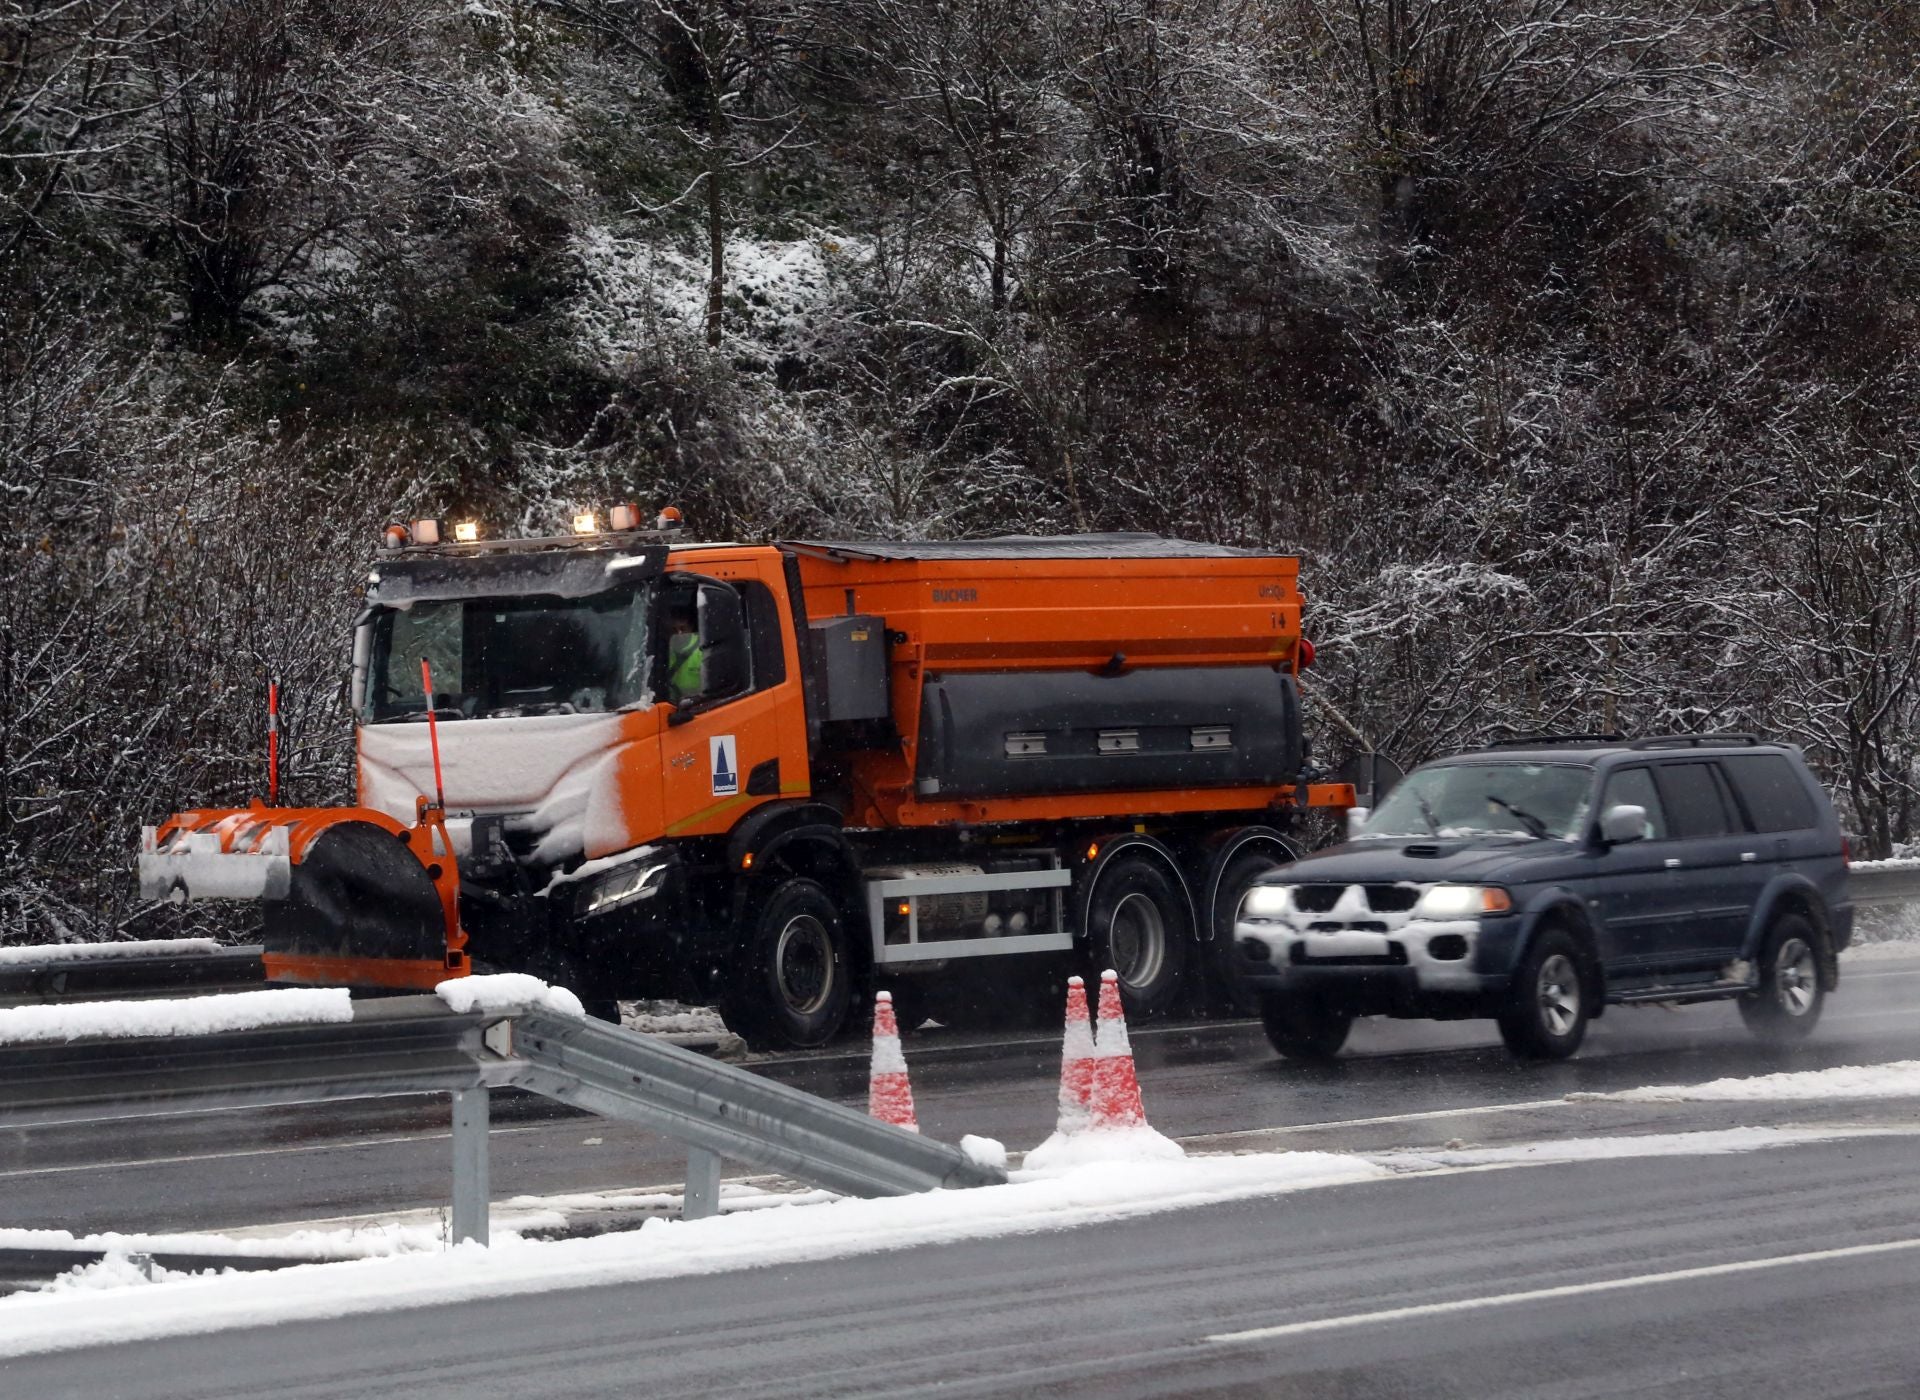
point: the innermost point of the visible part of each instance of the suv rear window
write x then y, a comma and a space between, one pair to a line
1772, 792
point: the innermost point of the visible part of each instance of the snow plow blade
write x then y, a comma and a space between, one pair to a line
350, 896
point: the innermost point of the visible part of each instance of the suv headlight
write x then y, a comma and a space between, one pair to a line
1462, 902
1266, 902
623, 886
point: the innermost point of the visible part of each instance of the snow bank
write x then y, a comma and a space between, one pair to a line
1898, 1080
1607, 1148
1888, 950
506, 991
1063, 1151
366, 1241
85, 952
233, 1011
43, 1322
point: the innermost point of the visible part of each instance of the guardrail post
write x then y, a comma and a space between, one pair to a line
703, 1185
470, 1185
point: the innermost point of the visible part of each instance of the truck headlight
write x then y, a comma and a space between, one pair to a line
624, 886
1266, 902
1462, 902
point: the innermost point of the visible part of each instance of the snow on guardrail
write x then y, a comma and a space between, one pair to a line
39, 954
233, 1011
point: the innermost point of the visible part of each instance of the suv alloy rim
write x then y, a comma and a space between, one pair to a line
803, 964
1793, 977
1137, 940
1559, 992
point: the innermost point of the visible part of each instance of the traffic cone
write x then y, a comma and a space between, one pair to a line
889, 1096
1115, 1098
1076, 1062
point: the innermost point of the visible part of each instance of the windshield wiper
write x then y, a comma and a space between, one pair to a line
1535, 827
1426, 815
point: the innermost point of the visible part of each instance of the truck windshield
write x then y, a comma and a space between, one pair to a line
1538, 800
510, 656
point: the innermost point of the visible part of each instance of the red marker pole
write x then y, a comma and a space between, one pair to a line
433, 733
273, 743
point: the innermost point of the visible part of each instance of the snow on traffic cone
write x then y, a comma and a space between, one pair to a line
1115, 1099
1112, 1127
1076, 1062
889, 1096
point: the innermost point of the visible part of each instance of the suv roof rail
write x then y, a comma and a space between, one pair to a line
1545, 741
1698, 741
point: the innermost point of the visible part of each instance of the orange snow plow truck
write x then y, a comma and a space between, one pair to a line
776, 777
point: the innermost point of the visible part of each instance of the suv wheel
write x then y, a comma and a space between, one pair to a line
1303, 1029
1787, 1004
1548, 1003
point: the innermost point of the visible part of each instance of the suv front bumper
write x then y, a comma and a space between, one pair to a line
1421, 967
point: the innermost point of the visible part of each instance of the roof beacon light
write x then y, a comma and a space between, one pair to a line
669, 519
583, 523
395, 537
467, 531
625, 516
426, 532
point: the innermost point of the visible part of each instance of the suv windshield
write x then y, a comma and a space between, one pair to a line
1539, 800
510, 656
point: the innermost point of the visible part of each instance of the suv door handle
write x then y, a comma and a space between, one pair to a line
1748, 855
1672, 862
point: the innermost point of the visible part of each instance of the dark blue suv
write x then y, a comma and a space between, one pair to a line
1538, 883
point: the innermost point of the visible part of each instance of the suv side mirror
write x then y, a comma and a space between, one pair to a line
1357, 818
1619, 825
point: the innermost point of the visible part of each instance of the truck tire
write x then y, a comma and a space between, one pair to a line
1226, 993
1548, 1002
793, 985
1788, 1002
1137, 925
1303, 1029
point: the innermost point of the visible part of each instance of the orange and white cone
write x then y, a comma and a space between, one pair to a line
1115, 1098
889, 1095
1076, 1063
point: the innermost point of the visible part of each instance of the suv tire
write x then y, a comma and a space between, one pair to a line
792, 987
1548, 1001
1787, 1004
1303, 1029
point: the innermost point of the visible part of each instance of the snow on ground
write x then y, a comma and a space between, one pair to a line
506, 991
372, 1240
1888, 950
233, 1011
56, 1321
1608, 1148
37, 954
672, 1018
1897, 1080
1142, 1144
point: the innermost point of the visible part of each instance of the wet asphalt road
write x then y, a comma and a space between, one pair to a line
226, 1170
1384, 1291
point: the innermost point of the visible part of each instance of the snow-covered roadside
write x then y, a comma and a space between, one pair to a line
110, 1306
1886, 950
56, 1321
1896, 1080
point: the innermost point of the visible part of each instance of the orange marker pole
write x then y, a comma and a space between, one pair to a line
433, 733
273, 743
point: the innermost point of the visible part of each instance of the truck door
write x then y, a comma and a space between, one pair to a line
720, 749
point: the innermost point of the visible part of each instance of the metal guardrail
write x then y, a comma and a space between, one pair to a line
108, 973
415, 1045
1878, 883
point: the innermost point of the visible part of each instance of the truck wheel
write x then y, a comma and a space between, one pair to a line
1548, 1004
1137, 925
1227, 994
1788, 1002
1303, 1029
792, 989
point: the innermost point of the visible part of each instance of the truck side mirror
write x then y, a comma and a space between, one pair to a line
1357, 818
723, 637
1619, 825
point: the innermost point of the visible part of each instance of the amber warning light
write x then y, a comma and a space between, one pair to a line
583, 523
467, 531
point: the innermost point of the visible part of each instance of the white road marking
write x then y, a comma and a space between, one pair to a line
258, 1152
1384, 1118
1571, 1290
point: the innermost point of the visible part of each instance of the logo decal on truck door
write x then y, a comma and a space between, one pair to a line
725, 765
